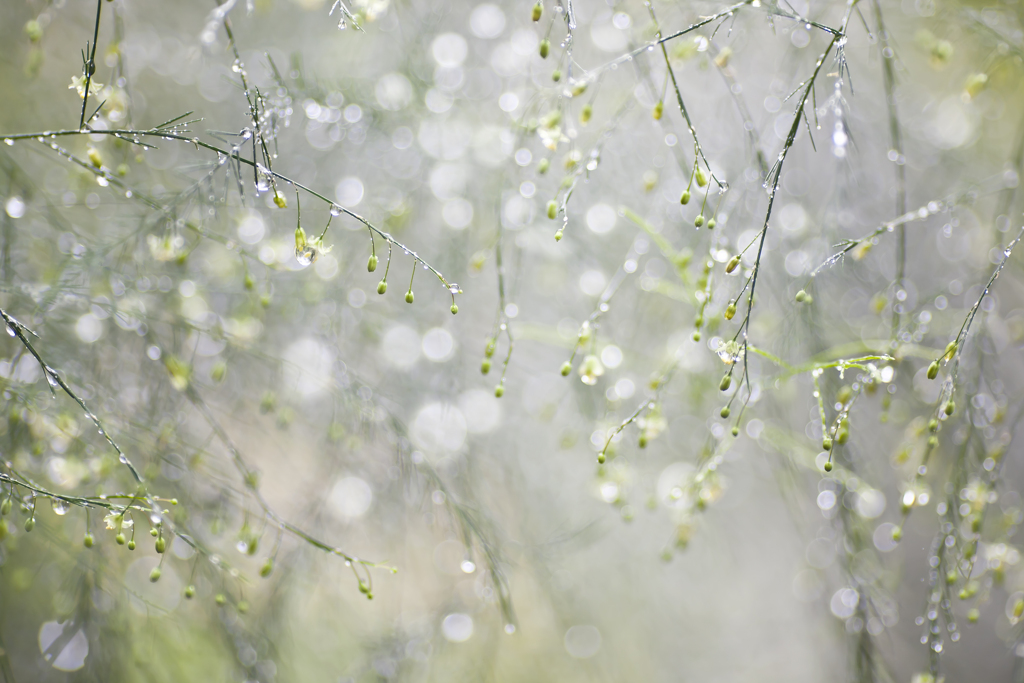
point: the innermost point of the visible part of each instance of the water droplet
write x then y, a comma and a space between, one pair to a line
10, 330
510, 628
60, 507
454, 288
468, 566
305, 255
9, 142
335, 210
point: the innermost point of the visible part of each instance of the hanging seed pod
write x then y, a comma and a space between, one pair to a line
659, 108
538, 9
732, 264
545, 47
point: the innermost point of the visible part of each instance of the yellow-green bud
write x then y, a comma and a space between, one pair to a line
371, 264
131, 544
221, 599
659, 108
897, 534
545, 47
558, 235
280, 200
382, 286
711, 224
556, 75
725, 383
119, 539
933, 369
732, 264
566, 368
933, 425
94, 157
827, 466
685, 197
973, 615
485, 366
5, 507
30, 524
826, 444
122, 170
154, 575
552, 209
499, 391
735, 431
543, 165
88, 540
34, 30
454, 309
725, 412
801, 296
409, 298
949, 408
538, 9
586, 113
249, 283
699, 220
267, 568
701, 178
190, 592
161, 544
730, 311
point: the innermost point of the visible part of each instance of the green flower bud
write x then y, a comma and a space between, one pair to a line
951, 577
485, 366
933, 425
122, 170
801, 296
699, 220
566, 368
119, 539
556, 75
409, 297
242, 606
733, 263
725, 383
281, 203
538, 9
933, 369
218, 371
696, 335
642, 441
267, 568
545, 47
94, 157
826, 444
950, 407
659, 108
190, 592
154, 575
950, 350
685, 197
131, 544
161, 544
552, 209
34, 30
543, 165
454, 309
730, 311
5, 507
30, 524
499, 391
897, 534
701, 178
265, 300
973, 615
827, 466
711, 224
601, 458
88, 540
735, 431
221, 599
844, 394
725, 412
382, 286
371, 264
558, 235
933, 441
